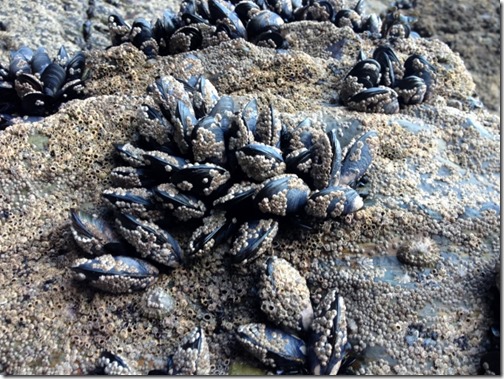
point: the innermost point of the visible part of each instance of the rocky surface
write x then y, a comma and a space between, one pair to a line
471, 29
433, 188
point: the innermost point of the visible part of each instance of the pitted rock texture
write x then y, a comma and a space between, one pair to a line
435, 176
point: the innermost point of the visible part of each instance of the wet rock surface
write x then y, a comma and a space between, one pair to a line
435, 178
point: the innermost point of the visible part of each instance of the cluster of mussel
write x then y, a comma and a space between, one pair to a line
306, 339
234, 174
381, 84
231, 174
192, 357
33, 84
258, 21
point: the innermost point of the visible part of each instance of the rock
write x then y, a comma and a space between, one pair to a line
435, 175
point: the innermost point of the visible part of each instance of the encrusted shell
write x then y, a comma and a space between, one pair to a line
192, 356
119, 274
93, 234
112, 364
150, 241
252, 240
282, 195
333, 202
273, 347
329, 335
285, 295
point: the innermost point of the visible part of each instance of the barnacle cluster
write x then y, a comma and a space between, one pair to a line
382, 84
200, 23
33, 84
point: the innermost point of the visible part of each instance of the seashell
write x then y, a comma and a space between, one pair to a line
260, 162
237, 198
186, 38
134, 156
136, 201
335, 172
328, 338
207, 141
389, 62
263, 21
273, 347
205, 97
348, 17
282, 195
202, 179
182, 206
219, 13
333, 202
376, 99
40, 61
131, 177
93, 234
269, 127
358, 158
150, 241
119, 274
53, 78
118, 29
254, 236
111, 364
193, 355
163, 164
216, 229
285, 296
411, 90
319, 10
142, 38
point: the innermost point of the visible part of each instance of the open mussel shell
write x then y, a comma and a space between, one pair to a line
192, 356
111, 364
328, 338
273, 347
333, 202
119, 274
358, 158
182, 206
285, 295
150, 241
93, 234
252, 239
282, 195
201, 179
260, 162
216, 229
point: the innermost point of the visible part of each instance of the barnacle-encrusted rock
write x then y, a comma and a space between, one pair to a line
419, 251
437, 173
